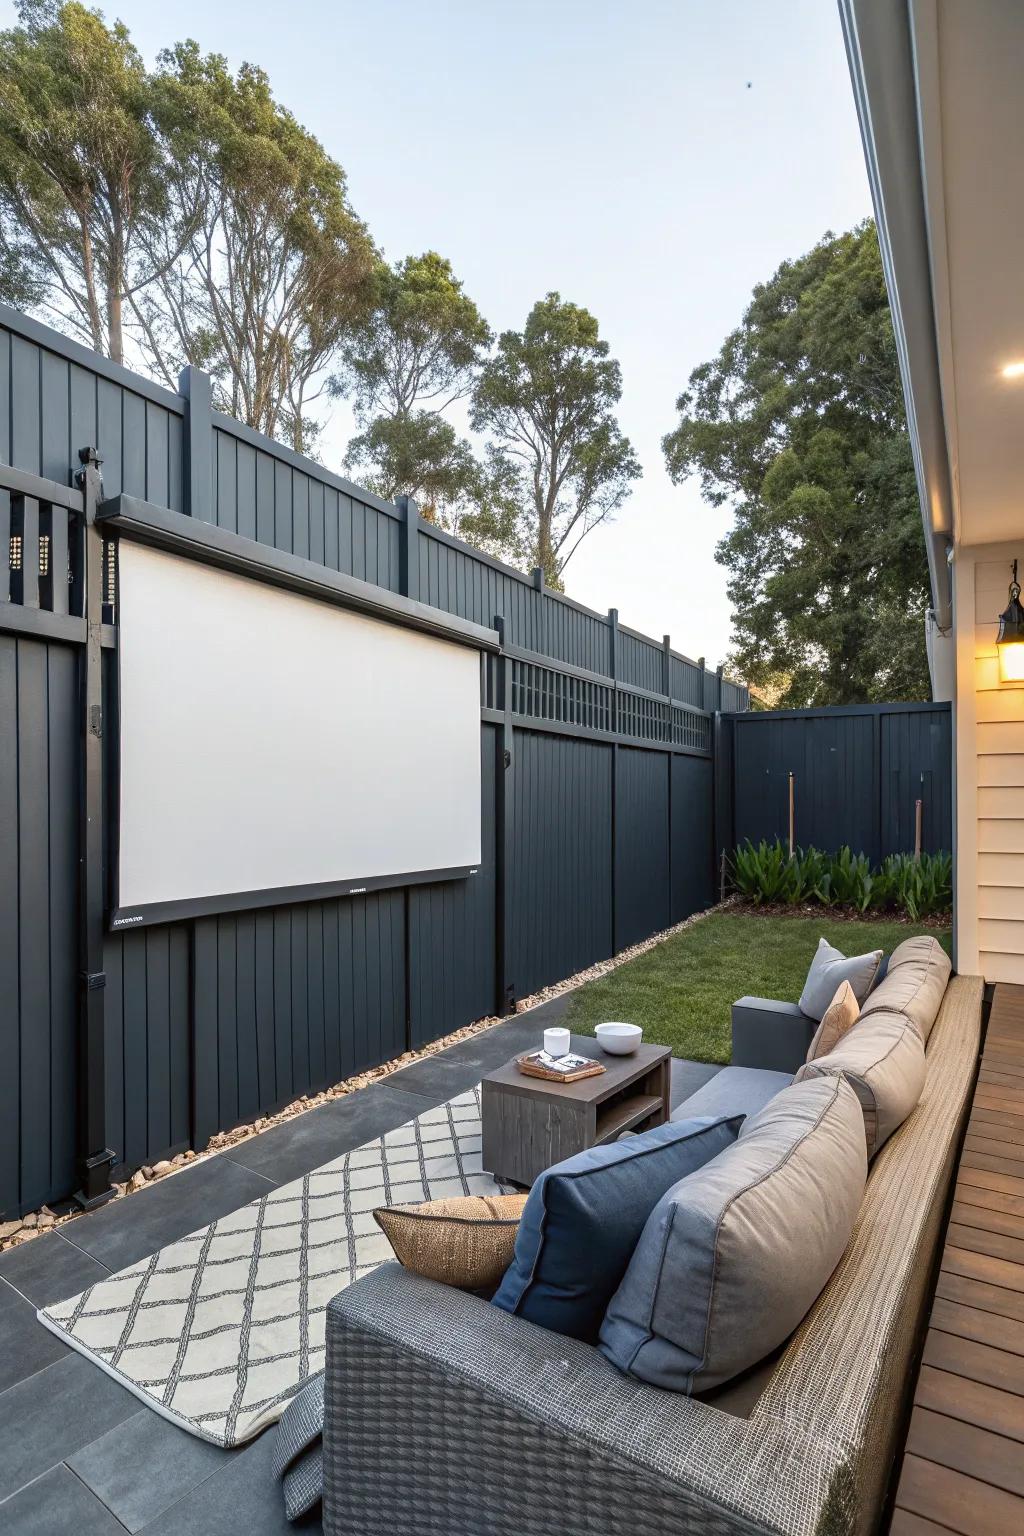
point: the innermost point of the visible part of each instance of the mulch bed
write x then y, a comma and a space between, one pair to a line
841, 914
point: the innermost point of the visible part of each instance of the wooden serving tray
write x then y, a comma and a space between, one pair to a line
532, 1069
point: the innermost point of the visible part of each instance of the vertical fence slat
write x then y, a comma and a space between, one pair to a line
5, 546
10, 935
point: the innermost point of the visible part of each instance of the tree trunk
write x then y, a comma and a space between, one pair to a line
89, 269
545, 552
115, 345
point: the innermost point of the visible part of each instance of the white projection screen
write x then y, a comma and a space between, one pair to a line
273, 746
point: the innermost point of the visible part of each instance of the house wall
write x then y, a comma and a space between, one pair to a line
989, 738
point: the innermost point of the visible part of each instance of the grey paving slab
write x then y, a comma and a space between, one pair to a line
25, 1345
288, 1151
57, 1505
53, 1414
50, 1268
243, 1497
462, 1065
128, 1230
143, 1466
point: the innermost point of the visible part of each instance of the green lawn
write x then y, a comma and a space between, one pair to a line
681, 991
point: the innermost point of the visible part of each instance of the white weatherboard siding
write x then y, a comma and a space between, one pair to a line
989, 773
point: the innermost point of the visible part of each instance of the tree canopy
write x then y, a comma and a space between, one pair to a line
798, 425
180, 214
81, 171
547, 399
263, 267
417, 354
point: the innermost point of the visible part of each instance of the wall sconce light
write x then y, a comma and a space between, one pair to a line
1010, 639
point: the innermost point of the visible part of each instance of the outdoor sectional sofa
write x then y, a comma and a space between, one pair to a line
446, 1415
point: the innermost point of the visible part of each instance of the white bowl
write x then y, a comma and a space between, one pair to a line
619, 1039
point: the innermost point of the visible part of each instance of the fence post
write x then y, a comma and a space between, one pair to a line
613, 664
505, 1000
719, 673
196, 387
409, 559
95, 1157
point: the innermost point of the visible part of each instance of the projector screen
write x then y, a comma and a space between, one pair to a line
273, 746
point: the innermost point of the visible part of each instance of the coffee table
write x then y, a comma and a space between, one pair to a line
529, 1123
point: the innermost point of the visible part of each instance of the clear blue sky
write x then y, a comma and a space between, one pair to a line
609, 149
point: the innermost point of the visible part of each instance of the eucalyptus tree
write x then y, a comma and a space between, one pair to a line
547, 399
82, 172
417, 355
263, 268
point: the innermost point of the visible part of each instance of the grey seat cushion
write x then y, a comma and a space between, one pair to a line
299, 1452
733, 1091
914, 983
733, 1257
828, 969
883, 1058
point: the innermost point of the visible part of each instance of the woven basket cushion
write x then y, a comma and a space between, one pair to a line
914, 984
841, 1014
884, 1061
465, 1241
585, 1215
828, 968
734, 1256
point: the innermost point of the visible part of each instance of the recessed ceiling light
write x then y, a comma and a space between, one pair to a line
1013, 371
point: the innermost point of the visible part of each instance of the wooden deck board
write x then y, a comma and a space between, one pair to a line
974, 1323
962, 1503
963, 1467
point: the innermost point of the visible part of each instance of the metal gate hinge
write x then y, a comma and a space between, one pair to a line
94, 981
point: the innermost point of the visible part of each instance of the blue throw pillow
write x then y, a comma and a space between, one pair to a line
584, 1217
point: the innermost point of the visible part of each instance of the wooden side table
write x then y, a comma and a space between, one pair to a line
530, 1124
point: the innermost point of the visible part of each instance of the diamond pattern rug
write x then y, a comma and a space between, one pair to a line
218, 1332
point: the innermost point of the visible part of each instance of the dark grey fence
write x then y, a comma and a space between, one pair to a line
598, 791
857, 775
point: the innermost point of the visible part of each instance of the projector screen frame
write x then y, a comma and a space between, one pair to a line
177, 534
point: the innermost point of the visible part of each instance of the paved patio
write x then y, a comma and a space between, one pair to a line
79, 1453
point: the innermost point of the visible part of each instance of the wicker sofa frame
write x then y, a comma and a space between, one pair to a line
449, 1417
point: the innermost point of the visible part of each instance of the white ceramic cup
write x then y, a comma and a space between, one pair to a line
556, 1042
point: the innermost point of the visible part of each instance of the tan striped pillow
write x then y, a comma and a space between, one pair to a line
841, 1014
466, 1241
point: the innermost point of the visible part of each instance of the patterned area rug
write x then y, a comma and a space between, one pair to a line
218, 1331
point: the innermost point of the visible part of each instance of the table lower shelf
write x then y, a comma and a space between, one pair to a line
625, 1115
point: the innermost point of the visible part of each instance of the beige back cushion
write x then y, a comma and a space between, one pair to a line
914, 984
841, 1014
884, 1063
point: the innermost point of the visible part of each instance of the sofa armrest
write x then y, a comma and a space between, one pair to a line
444, 1414
770, 1034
